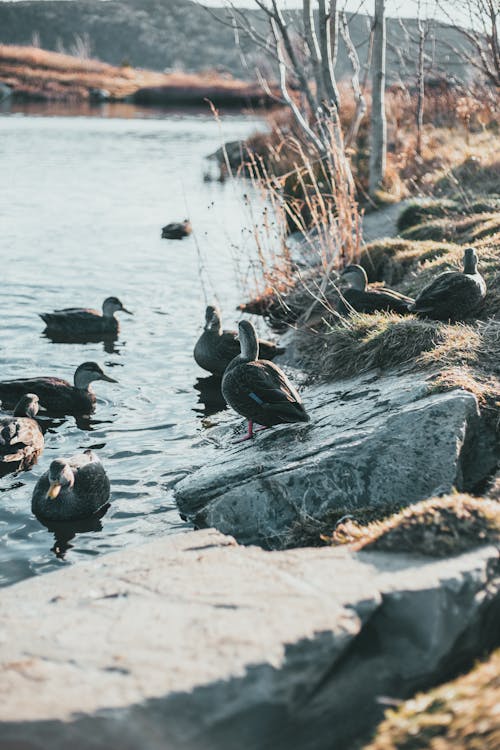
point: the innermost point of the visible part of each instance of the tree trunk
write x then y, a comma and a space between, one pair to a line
378, 125
420, 87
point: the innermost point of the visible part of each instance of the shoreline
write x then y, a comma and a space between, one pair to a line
30, 74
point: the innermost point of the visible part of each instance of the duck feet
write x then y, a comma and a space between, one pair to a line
249, 434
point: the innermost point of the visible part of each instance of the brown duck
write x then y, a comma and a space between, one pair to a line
216, 348
258, 389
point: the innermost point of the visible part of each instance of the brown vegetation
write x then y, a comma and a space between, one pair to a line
34, 73
438, 527
459, 715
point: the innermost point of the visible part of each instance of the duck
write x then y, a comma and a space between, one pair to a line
258, 389
360, 298
78, 321
453, 295
216, 348
57, 395
177, 230
71, 489
21, 439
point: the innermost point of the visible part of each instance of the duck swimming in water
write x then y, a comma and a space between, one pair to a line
21, 439
57, 395
216, 348
177, 230
258, 389
71, 489
360, 298
453, 295
77, 322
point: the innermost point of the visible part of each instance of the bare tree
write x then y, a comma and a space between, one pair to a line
482, 34
378, 124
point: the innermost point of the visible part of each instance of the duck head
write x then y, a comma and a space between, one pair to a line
27, 406
470, 260
60, 476
249, 343
355, 276
88, 372
212, 319
112, 305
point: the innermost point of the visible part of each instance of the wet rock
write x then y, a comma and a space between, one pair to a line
194, 643
370, 441
5, 91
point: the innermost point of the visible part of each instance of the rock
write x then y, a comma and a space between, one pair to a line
370, 441
194, 643
5, 91
99, 95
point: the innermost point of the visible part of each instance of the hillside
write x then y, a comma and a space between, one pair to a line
179, 34
33, 73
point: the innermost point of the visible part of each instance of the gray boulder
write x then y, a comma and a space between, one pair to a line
370, 441
5, 91
194, 643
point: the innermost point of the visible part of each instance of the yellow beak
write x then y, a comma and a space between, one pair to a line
54, 490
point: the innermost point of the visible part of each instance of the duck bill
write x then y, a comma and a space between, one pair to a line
129, 312
108, 379
54, 490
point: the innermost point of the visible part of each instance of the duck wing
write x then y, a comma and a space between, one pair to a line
228, 346
91, 480
21, 439
72, 316
373, 300
269, 350
261, 391
445, 294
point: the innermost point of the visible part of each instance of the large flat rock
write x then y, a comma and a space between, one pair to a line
195, 643
371, 440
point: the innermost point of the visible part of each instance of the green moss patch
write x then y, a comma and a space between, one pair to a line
438, 527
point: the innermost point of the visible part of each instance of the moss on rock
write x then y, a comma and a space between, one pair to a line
438, 527
460, 715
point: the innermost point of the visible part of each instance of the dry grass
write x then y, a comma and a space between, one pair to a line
459, 715
422, 211
460, 230
438, 527
33, 72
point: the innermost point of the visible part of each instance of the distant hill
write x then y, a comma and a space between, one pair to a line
179, 34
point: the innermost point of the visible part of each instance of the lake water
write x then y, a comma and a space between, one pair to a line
82, 203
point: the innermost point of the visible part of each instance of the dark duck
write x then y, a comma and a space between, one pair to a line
71, 489
216, 348
453, 295
359, 297
258, 389
177, 230
56, 395
79, 321
21, 439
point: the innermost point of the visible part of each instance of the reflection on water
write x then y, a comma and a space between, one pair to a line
82, 203
209, 396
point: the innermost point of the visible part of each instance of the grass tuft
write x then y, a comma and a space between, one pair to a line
438, 527
459, 715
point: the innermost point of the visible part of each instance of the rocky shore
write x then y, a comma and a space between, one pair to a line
195, 642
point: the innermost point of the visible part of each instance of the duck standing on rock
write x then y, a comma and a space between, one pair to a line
71, 489
57, 395
79, 321
453, 295
21, 439
360, 298
258, 389
177, 230
216, 348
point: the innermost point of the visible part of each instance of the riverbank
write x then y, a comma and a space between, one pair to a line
33, 74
